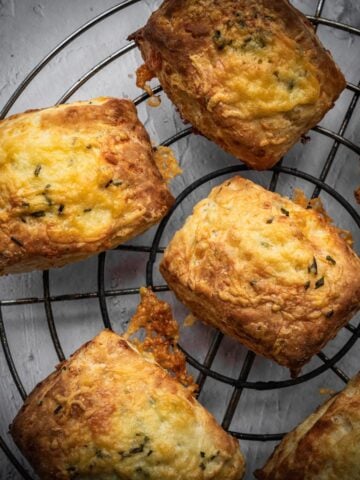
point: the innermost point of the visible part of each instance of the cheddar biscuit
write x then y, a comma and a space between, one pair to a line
250, 75
325, 446
75, 180
274, 275
110, 412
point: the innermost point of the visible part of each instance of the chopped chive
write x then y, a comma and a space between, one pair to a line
284, 211
117, 183
149, 453
330, 260
38, 214
202, 454
107, 185
48, 199
57, 409
25, 204
265, 244
313, 267
37, 170
61, 208
319, 283
15, 240
307, 285
202, 466
329, 314
87, 210
270, 220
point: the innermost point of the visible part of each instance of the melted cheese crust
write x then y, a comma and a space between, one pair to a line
111, 413
74, 180
323, 447
276, 276
251, 76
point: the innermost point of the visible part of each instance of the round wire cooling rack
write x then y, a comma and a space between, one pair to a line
206, 367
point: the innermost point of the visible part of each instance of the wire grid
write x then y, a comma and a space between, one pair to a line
205, 368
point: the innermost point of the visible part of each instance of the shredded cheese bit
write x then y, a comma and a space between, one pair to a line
316, 204
143, 75
167, 163
161, 336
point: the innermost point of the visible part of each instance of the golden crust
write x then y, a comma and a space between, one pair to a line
276, 276
111, 413
250, 75
325, 446
75, 180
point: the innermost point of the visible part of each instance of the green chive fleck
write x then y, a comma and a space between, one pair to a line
330, 260
319, 283
284, 211
17, 242
313, 267
57, 409
38, 214
37, 170
307, 285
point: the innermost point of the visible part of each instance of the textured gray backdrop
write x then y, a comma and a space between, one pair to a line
28, 31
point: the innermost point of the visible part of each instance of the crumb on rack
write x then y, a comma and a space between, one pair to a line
166, 162
144, 75
190, 320
161, 336
154, 101
357, 195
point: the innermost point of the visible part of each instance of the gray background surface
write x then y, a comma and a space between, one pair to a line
28, 31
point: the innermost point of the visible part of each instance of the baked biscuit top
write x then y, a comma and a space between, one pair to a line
76, 178
281, 275
250, 75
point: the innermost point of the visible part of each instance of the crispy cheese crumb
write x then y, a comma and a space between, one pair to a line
161, 336
154, 101
143, 75
357, 195
167, 163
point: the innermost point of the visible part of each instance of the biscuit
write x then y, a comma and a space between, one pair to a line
75, 180
272, 274
111, 412
323, 447
250, 75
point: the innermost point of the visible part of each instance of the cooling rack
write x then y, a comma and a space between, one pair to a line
205, 368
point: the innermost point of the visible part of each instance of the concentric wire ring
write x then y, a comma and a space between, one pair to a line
204, 368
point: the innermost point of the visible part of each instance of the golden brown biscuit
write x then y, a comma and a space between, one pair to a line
75, 180
112, 413
250, 75
325, 446
274, 275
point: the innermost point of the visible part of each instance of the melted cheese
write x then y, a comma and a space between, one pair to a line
259, 77
55, 175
